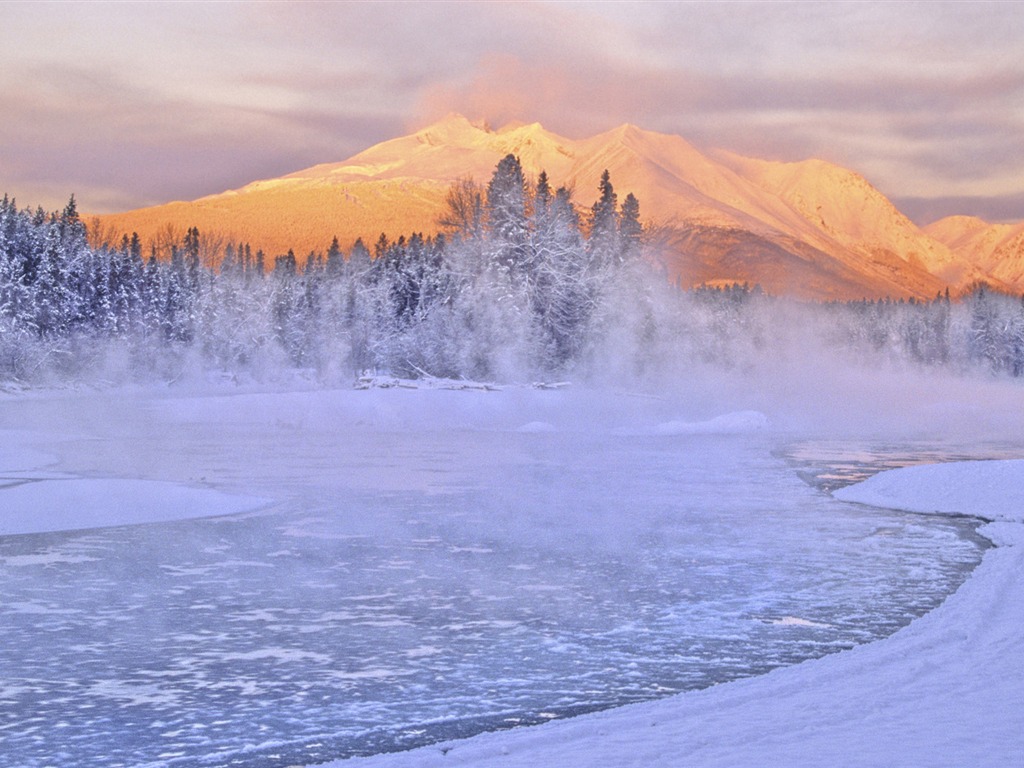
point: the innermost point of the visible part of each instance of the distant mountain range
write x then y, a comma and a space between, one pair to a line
809, 229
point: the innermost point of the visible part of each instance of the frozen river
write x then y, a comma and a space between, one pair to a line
418, 582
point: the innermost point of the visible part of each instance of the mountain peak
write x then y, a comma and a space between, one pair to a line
966, 223
519, 125
625, 132
451, 120
628, 129
451, 129
812, 224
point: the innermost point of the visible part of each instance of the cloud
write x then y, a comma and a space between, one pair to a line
161, 101
118, 145
914, 104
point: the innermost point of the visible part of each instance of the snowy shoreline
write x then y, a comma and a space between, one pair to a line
943, 691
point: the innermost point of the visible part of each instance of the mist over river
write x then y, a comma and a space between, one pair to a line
430, 565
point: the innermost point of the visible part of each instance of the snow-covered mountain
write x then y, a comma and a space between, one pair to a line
810, 228
997, 249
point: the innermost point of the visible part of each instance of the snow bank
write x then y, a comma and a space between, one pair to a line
35, 506
732, 423
33, 501
737, 423
990, 489
943, 691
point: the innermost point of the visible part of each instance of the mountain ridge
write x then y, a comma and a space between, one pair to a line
720, 217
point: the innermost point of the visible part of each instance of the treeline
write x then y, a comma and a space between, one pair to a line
522, 284
519, 285
982, 329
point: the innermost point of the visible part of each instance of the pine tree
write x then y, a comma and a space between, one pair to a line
542, 197
380, 248
335, 262
630, 229
604, 225
51, 290
562, 295
507, 214
72, 230
359, 258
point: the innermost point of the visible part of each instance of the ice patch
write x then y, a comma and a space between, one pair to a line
737, 423
381, 623
45, 558
132, 694
37, 609
796, 621
428, 382
423, 651
728, 424
177, 570
281, 655
12, 692
370, 674
69, 505
261, 614
536, 427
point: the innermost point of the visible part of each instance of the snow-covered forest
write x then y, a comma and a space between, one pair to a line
523, 284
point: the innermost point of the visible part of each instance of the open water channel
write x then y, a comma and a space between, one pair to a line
411, 587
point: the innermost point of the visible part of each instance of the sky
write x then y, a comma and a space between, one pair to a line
131, 104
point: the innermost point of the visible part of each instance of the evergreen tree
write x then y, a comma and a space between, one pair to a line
285, 266
604, 225
563, 294
507, 215
335, 262
630, 229
541, 199
359, 258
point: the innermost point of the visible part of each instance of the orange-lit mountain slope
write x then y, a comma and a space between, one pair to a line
809, 229
997, 249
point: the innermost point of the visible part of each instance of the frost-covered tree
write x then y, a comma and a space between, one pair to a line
518, 287
564, 290
507, 216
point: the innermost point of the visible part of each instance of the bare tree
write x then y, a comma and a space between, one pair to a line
464, 210
100, 235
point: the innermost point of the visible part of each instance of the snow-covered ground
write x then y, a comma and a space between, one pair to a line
945, 690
